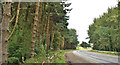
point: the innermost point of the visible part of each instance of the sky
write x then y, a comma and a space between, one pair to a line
83, 13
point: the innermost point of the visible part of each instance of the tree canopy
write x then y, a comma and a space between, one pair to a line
104, 32
35, 28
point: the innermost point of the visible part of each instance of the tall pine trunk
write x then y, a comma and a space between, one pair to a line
25, 35
47, 41
52, 37
5, 31
38, 27
34, 30
43, 19
0, 34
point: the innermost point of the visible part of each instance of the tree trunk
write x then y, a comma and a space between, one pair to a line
42, 30
5, 31
0, 34
38, 27
24, 28
34, 30
52, 38
62, 44
47, 41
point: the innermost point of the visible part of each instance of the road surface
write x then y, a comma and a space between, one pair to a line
85, 57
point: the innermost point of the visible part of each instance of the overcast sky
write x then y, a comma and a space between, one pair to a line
83, 13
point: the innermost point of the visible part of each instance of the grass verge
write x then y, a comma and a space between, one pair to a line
57, 57
109, 53
61, 58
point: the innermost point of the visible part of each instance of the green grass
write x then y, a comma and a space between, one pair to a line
61, 58
81, 48
105, 52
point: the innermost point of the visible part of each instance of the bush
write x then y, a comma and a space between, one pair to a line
13, 60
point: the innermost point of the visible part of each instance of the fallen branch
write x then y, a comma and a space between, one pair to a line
18, 9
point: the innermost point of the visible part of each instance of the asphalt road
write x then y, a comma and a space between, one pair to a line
83, 56
97, 57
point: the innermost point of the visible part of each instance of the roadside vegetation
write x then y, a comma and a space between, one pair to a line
109, 53
82, 48
104, 33
54, 57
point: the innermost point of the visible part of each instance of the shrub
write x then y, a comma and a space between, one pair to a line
13, 60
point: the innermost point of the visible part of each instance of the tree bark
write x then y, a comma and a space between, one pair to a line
34, 30
47, 41
25, 31
42, 30
38, 27
52, 38
0, 34
5, 31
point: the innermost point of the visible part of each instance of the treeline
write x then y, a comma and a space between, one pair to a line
31, 29
104, 33
85, 44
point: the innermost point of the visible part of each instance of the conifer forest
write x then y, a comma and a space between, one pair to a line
37, 32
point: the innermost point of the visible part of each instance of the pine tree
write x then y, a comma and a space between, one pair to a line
0, 34
43, 23
47, 41
5, 31
34, 30
39, 22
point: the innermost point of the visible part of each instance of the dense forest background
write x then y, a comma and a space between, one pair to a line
34, 29
104, 33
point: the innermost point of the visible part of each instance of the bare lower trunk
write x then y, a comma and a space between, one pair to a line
34, 30
5, 31
0, 45
38, 27
52, 38
42, 30
0, 34
47, 41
